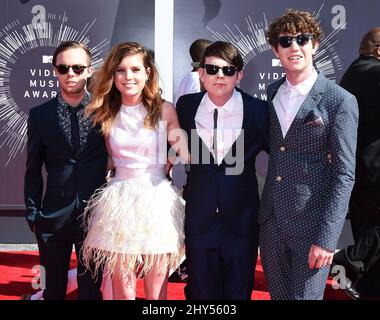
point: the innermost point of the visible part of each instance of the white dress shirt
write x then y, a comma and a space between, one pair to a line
230, 120
289, 99
189, 84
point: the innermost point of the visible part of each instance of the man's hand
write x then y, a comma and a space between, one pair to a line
319, 257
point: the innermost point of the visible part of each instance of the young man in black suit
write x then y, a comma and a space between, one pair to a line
228, 128
74, 155
362, 260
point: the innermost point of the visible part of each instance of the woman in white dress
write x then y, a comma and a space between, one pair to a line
135, 223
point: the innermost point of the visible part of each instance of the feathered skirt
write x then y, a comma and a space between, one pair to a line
135, 223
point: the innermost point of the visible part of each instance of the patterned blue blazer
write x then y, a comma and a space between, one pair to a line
311, 171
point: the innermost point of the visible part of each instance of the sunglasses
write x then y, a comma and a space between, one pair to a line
77, 68
212, 69
301, 39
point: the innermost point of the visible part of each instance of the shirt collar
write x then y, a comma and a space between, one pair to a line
228, 106
305, 86
85, 101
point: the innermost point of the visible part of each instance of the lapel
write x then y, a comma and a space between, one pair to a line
310, 103
191, 111
52, 122
92, 134
247, 112
193, 108
272, 91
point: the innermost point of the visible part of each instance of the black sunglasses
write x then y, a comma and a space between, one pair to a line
212, 69
301, 39
77, 68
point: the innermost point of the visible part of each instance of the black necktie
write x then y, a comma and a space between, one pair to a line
215, 137
75, 138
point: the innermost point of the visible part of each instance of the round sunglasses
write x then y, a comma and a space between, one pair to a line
301, 39
213, 69
64, 68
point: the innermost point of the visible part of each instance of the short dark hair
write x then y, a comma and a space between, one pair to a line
197, 48
225, 51
67, 45
370, 42
292, 22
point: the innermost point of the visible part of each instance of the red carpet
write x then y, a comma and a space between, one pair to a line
16, 276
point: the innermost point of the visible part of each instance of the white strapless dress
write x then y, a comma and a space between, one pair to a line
138, 216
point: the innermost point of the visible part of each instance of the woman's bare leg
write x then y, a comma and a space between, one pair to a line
156, 284
123, 284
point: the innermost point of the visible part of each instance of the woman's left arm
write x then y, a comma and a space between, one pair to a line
176, 136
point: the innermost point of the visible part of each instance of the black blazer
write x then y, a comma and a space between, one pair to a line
362, 79
71, 179
209, 186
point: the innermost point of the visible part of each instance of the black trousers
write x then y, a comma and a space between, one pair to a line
362, 259
220, 264
55, 253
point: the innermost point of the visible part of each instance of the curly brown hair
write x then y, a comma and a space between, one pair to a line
106, 99
292, 22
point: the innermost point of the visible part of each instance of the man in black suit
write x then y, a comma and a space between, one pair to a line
361, 260
227, 128
74, 155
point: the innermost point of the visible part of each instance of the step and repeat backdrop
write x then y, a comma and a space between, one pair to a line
244, 22
31, 29
29, 33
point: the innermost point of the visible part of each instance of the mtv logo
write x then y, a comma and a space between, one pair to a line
276, 63
47, 59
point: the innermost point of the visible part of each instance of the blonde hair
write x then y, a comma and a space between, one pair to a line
106, 98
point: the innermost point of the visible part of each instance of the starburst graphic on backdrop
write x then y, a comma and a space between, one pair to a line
253, 42
17, 39
250, 44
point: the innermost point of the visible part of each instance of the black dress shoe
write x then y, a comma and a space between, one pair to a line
26, 297
349, 287
352, 292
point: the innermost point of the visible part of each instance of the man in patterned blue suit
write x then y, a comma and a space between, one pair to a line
311, 171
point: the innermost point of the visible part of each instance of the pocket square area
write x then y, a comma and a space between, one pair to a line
314, 119
315, 123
